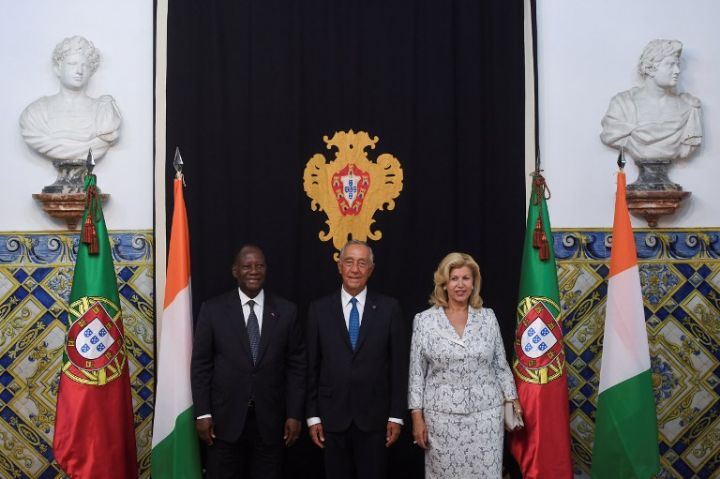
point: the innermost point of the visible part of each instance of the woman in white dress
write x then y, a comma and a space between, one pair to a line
459, 377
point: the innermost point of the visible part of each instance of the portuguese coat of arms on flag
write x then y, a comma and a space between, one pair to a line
542, 447
94, 428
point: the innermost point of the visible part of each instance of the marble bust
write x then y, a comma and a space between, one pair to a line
64, 126
652, 122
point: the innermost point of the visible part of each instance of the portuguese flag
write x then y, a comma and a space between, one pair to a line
175, 452
625, 421
542, 447
94, 428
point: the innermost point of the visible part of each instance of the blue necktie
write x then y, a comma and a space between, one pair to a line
354, 323
253, 330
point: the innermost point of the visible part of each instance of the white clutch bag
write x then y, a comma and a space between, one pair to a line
513, 420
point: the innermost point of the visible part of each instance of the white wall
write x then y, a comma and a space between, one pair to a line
587, 52
123, 32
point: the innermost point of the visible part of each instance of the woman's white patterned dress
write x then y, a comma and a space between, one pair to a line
460, 383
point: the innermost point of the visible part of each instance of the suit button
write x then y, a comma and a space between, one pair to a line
252, 376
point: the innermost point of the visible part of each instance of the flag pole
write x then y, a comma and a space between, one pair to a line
94, 405
175, 448
542, 448
625, 440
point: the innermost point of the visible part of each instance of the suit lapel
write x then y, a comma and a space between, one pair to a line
270, 316
236, 319
443, 328
337, 312
367, 319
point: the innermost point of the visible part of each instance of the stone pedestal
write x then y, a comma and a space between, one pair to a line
653, 204
653, 176
68, 207
70, 179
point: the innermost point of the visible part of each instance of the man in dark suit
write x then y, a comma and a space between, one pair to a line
248, 375
357, 372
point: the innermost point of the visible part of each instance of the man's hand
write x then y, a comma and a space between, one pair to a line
317, 435
292, 431
206, 430
393, 433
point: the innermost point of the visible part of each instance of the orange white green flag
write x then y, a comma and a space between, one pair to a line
626, 442
175, 450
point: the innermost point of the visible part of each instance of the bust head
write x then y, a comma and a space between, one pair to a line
75, 59
660, 60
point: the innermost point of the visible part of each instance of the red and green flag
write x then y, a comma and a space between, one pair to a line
542, 447
626, 435
94, 428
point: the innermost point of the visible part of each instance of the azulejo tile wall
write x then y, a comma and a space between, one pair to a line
680, 276
35, 279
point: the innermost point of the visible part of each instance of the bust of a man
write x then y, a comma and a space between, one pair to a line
652, 122
64, 126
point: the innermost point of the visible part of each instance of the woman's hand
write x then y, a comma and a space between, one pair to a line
517, 413
517, 409
420, 434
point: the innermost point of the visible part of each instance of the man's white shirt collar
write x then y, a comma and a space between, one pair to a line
259, 306
259, 299
345, 297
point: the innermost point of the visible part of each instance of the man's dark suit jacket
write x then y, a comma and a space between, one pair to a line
366, 386
224, 378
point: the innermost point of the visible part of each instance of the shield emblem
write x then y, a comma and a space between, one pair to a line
537, 339
350, 186
539, 355
94, 340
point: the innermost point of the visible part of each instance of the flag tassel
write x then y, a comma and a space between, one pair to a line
540, 241
538, 234
89, 232
544, 248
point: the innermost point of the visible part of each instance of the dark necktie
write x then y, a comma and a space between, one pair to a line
253, 329
354, 323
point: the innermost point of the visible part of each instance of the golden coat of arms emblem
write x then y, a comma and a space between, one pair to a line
351, 188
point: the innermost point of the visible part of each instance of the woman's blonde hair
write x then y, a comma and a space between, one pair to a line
439, 296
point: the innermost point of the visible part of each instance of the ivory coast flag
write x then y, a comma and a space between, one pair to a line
175, 450
542, 447
94, 427
625, 421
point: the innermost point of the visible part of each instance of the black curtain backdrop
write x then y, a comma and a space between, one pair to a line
254, 85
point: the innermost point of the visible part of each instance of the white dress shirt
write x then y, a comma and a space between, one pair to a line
345, 298
258, 307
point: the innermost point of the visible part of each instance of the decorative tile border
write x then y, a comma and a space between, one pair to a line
680, 275
35, 279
